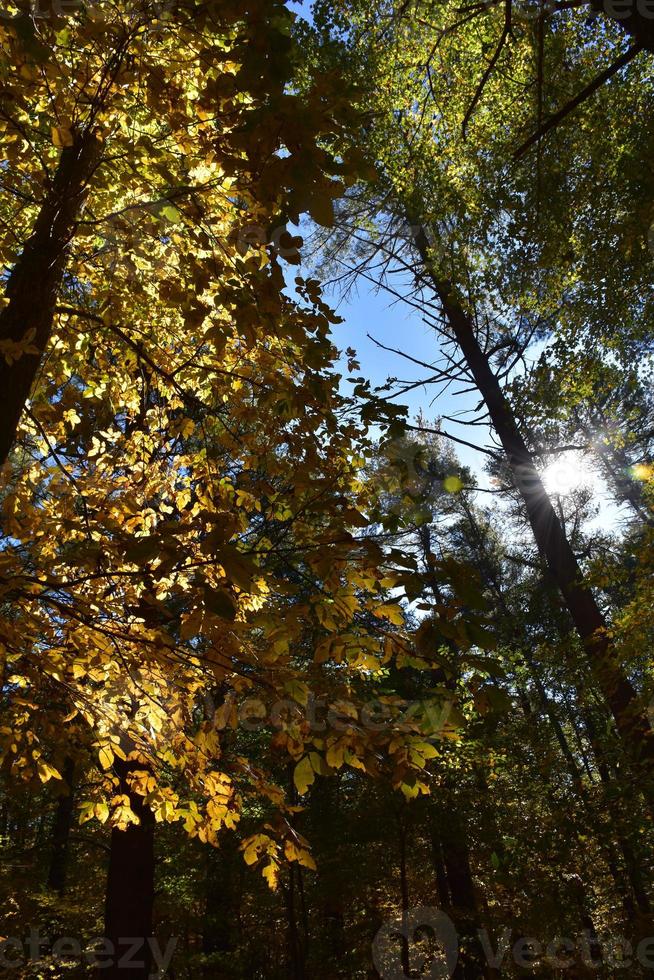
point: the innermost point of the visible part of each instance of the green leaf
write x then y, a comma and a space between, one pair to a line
171, 213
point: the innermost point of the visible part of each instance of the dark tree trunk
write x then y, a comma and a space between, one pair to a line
404, 896
456, 889
449, 846
334, 917
36, 278
130, 889
61, 831
220, 926
550, 537
296, 966
442, 890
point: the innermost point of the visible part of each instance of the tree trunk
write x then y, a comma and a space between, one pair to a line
61, 831
296, 967
550, 537
404, 897
130, 889
36, 278
456, 891
451, 853
442, 890
219, 929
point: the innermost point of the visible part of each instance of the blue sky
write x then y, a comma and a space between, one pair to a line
397, 325
367, 310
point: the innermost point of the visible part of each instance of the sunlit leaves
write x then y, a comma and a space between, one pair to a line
303, 775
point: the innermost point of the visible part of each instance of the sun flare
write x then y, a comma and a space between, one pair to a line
565, 475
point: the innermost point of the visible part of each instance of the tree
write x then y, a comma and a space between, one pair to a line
470, 293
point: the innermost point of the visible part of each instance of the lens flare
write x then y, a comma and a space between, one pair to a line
642, 472
565, 475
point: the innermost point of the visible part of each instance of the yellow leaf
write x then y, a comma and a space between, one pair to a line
298, 690
305, 858
253, 847
303, 775
427, 750
62, 136
106, 757
102, 812
46, 772
335, 756
392, 612
271, 874
86, 812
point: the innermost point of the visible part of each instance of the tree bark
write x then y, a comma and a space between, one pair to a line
220, 932
130, 889
404, 897
63, 823
442, 890
456, 890
36, 278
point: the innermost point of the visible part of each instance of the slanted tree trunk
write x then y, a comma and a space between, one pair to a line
36, 278
129, 903
61, 831
631, 722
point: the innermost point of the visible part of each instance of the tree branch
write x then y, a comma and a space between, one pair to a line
578, 99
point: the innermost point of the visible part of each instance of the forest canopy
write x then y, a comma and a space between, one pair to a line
311, 670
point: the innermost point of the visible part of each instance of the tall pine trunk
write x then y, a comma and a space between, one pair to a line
552, 542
